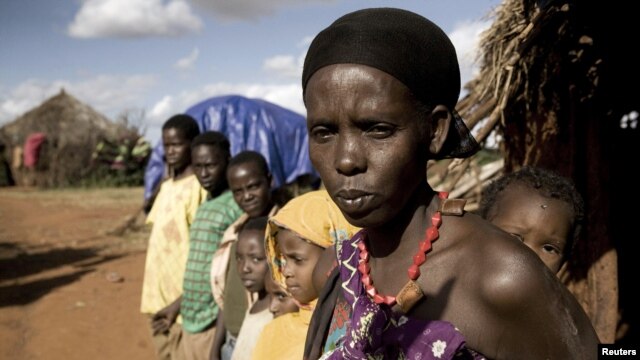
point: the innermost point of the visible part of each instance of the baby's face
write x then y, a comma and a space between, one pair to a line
300, 260
543, 224
281, 303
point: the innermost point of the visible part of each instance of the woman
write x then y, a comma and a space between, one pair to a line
380, 86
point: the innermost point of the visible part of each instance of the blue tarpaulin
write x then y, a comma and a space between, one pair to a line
249, 124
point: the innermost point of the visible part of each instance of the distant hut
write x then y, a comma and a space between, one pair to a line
71, 130
558, 83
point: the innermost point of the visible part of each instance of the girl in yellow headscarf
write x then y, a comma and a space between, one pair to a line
296, 237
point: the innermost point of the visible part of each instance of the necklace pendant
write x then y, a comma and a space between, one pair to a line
409, 296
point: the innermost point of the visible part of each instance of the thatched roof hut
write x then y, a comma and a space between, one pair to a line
72, 130
556, 81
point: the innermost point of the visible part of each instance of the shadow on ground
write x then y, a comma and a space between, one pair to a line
16, 263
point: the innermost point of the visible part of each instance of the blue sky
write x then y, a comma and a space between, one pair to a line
162, 56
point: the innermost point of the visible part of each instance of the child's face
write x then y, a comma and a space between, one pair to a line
281, 303
209, 164
300, 260
251, 188
176, 148
368, 147
543, 224
252, 262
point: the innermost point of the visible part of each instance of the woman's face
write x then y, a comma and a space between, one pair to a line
365, 140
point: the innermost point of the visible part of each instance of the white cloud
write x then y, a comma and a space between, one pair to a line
186, 63
284, 65
306, 41
133, 18
288, 66
248, 9
286, 95
108, 94
466, 38
162, 110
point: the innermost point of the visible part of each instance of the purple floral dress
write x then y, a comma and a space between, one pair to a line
376, 332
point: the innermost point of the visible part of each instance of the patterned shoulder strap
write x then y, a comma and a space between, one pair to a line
347, 254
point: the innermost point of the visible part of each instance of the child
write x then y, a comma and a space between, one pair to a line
171, 215
296, 237
210, 155
540, 208
425, 279
250, 182
253, 269
280, 302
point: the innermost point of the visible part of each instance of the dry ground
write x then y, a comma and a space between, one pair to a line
58, 259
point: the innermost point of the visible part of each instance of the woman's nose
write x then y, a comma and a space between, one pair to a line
349, 157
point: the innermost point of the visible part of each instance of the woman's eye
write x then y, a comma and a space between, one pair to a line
380, 131
321, 134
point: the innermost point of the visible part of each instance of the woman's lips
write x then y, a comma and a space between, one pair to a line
353, 200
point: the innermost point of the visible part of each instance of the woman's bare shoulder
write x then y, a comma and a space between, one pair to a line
517, 294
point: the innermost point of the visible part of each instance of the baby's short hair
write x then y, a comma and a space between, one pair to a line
545, 182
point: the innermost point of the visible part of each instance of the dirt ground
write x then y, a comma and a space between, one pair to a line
69, 287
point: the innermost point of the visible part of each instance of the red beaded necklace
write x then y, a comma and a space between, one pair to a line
413, 272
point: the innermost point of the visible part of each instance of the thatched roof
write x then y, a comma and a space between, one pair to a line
72, 130
522, 51
63, 118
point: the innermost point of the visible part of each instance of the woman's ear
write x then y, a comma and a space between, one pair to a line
440, 121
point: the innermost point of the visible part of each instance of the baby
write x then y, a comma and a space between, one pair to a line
280, 302
540, 208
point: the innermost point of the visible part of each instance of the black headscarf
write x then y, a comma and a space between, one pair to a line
408, 47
